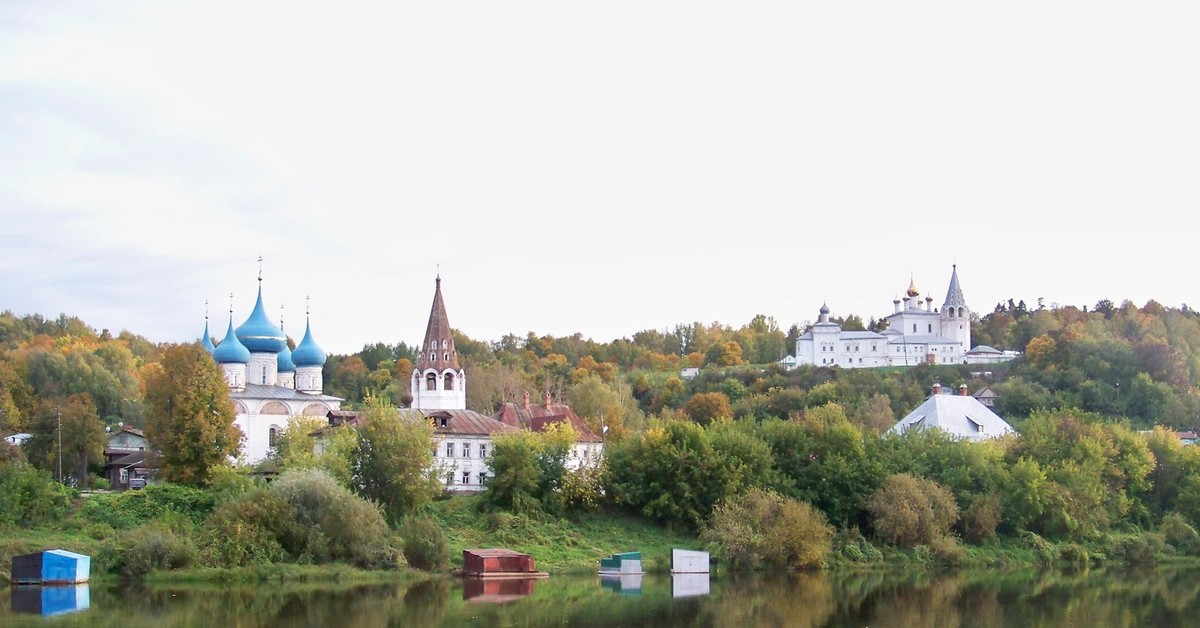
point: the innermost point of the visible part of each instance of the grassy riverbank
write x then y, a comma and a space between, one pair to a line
559, 545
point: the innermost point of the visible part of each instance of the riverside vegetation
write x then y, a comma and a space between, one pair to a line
767, 468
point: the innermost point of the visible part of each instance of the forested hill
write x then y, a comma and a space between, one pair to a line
1140, 363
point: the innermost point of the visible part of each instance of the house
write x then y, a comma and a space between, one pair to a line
1187, 438
125, 458
535, 417
986, 396
960, 415
18, 439
462, 445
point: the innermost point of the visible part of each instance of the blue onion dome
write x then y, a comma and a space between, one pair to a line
258, 333
231, 349
284, 360
307, 353
206, 340
824, 309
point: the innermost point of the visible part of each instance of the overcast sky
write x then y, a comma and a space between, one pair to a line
600, 168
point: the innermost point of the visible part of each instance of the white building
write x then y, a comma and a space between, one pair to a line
916, 333
268, 383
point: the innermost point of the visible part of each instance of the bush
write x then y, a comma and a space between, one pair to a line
851, 545
762, 527
1045, 550
150, 547
1074, 554
1143, 549
1180, 535
425, 545
331, 522
130, 509
982, 517
908, 510
946, 550
29, 497
246, 531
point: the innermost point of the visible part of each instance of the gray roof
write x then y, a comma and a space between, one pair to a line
983, 349
962, 416
260, 391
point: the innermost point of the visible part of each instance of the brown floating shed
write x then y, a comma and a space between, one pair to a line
498, 563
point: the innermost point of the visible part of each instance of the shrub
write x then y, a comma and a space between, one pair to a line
130, 509
1074, 554
1143, 549
425, 545
761, 527
908, 510
29, 497
246, 531
946, 550
981, 518
852, 546
332, 523
150, 547
1179, 534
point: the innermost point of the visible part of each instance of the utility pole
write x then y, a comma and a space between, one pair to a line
58, 412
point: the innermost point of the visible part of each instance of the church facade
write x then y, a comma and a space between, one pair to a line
916, 333
269, 383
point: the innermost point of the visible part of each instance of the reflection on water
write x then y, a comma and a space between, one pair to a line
625, 584
1121, 598
497, 590
689, 584
47, 600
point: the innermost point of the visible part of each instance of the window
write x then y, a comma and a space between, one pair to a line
432, 357
931, 328
124, 476
483, 450
914, 328
431, 382
271, 435
264, 374
482, 478
443, 343
446, 357
449, 450
466, 477
444, 420
466, 450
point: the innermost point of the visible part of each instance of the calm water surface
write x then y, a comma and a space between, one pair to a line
977, 598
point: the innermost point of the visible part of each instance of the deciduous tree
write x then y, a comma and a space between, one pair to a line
190, 422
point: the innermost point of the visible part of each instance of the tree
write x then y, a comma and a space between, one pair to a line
908, 510
393, 464
704, 408
190, 422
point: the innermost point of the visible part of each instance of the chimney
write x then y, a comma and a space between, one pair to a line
937, 388
527, 401
962, 389
547, 401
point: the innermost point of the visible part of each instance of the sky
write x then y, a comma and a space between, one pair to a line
592, 168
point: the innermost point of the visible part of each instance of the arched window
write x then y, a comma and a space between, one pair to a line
433, 357
449, 382
271, 435
431, 381
446, 357
444, 343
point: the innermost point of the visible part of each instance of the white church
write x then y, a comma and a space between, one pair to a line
916, 333
268, 382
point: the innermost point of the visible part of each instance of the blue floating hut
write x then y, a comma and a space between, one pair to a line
56, 566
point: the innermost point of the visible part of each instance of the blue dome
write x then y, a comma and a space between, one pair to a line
258, 333
307, 353
231, 349
284, 360
206, 341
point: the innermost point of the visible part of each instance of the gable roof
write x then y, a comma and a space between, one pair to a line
464, 423
537, 417
962, 416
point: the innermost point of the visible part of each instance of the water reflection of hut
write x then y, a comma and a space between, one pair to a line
689, 584
497, 590
499, 563
49, 599
628, 584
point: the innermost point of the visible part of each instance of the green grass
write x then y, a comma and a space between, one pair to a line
572, 544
